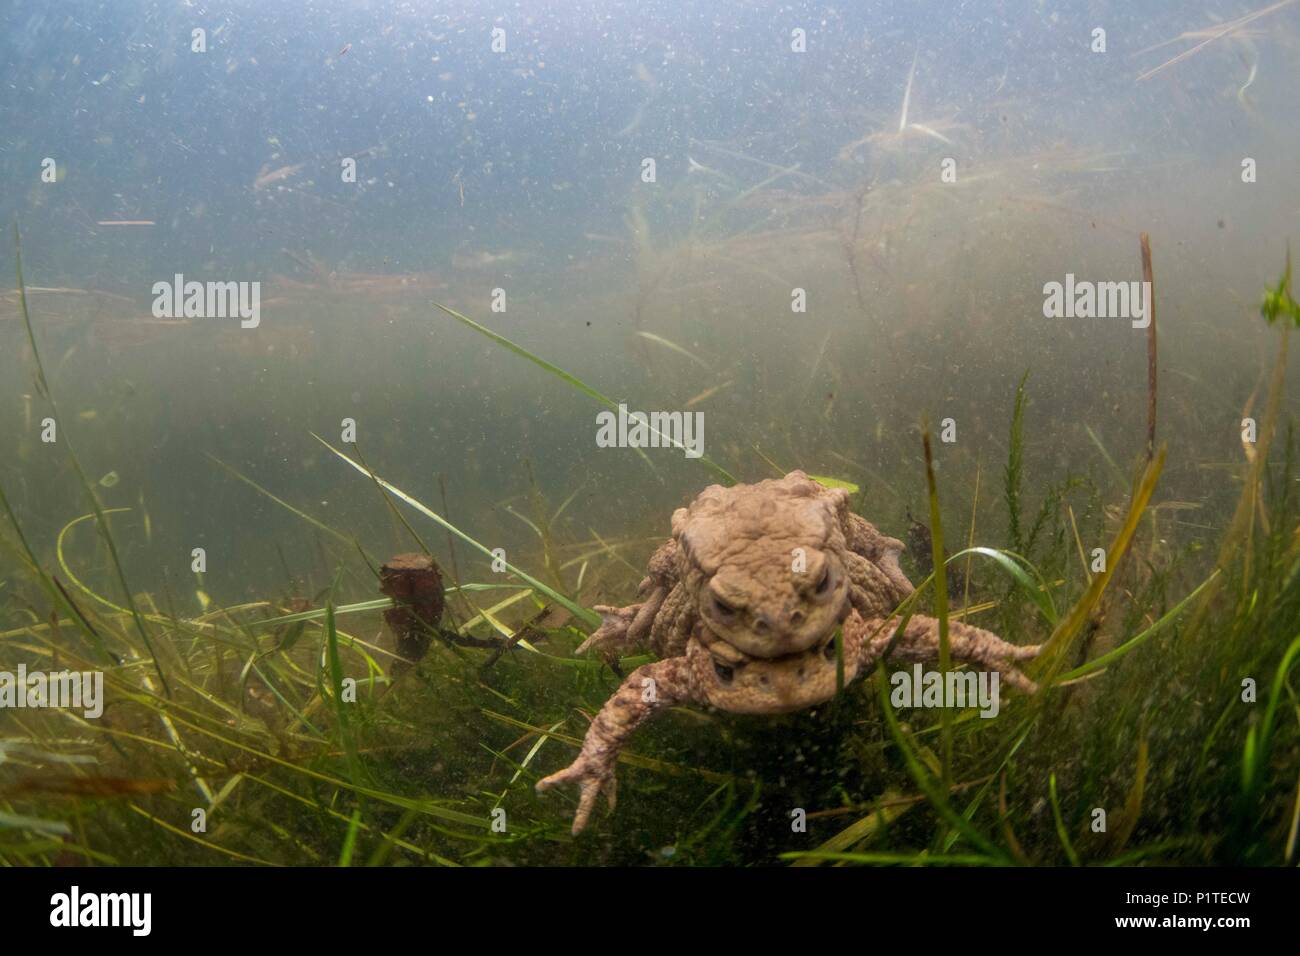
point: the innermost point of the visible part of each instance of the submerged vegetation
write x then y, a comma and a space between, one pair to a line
284, 731
290, 726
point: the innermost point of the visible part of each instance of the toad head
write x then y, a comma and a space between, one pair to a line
765, 565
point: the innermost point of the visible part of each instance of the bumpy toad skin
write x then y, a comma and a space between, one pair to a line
770, 568
742, 605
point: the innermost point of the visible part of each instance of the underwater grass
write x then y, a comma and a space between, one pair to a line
931, 790
1150, 727
576, 383
1014, 472
362, 839
577, 610
940, 594
43, 389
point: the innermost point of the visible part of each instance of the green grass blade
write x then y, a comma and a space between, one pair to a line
1061, 832
934, 794
350, 839
1037, 592
336, 688
102, 522
940, 602
1132, 643
1057, 645
590, 617
1014, 469
571, 380
898, 859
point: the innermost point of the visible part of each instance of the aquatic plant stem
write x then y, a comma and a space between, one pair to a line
1243, 517
1012, 473
940, 601
1149, 278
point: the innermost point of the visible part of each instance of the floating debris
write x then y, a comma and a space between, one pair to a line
660, 340
709, 393
1211, 35
268, 176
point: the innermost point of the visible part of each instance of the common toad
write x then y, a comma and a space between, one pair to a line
742, 606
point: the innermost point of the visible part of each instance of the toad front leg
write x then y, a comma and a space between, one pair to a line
647, 690
919, 643
625, 628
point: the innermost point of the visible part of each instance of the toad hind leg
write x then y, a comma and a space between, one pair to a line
919, 643
647, 690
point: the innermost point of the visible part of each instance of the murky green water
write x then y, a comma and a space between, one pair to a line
823, 249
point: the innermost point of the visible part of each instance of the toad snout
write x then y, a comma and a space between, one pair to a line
782, 623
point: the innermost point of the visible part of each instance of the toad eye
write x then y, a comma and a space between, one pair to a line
824, 582
725, 670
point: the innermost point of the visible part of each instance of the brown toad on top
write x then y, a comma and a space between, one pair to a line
742, 606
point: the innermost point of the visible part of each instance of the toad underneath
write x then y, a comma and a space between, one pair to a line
742, 606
